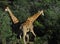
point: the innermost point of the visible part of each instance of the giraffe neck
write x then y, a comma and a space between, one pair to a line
13, 18
35, 16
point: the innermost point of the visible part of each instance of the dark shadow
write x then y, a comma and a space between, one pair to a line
53, 39
16, 29
31, 36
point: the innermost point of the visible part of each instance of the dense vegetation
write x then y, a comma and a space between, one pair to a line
47, 27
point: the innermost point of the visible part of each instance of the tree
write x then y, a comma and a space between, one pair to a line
48, 25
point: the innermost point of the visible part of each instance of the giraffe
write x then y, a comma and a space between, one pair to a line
28, 25
14, 19
15, 22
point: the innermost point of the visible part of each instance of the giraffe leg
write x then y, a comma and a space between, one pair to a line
27, 38
24, 34
33, 31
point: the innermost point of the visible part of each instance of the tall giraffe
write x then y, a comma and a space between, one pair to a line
15, 22
28, 25
35, 16
14, 19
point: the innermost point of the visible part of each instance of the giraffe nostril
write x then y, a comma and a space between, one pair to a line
43, 14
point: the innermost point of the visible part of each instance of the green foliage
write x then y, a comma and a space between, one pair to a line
38, 24
21, 9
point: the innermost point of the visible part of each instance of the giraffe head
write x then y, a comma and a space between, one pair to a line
6, 9
41, 12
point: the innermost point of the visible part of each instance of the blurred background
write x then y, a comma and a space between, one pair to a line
47, 27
